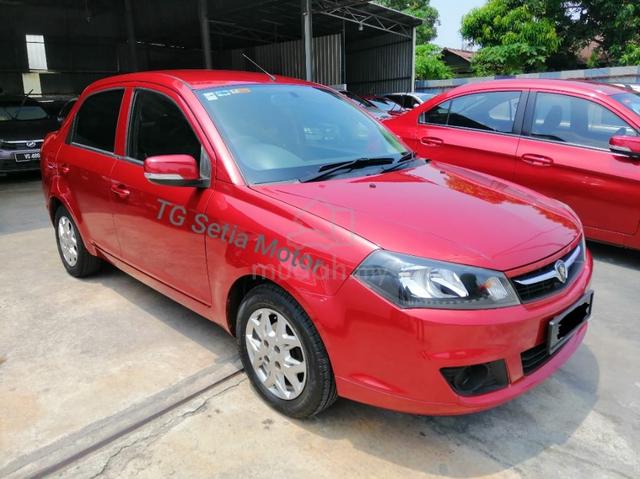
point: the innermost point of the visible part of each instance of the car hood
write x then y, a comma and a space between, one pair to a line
441, 212
27, 129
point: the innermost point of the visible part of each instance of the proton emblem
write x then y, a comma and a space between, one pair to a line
31, 144
561, 271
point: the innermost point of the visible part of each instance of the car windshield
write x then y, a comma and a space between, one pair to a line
285, 132
630, 100
12, 111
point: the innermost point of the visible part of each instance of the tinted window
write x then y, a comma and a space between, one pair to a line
396, 99
494, 111
158, 127
437, 115
574, 120
97, 119
284, 132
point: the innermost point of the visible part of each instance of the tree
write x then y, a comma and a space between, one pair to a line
429, 64
548, 34
612, 25
421, 9
514, 36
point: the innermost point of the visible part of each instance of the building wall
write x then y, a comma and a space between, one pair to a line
287, 58
379, 64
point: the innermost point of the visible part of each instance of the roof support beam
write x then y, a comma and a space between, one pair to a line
351, 13
307, 38
203, 17
131, 36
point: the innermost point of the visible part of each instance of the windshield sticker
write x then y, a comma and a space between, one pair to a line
222, 93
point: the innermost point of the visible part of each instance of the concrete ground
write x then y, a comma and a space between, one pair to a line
82, 357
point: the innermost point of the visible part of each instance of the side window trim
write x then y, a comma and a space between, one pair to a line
530, 113
72, 128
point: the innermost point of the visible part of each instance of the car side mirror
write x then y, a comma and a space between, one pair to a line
626, 145
174, 170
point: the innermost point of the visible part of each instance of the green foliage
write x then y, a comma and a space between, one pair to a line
534, 35
631, 54
421, 9
514, 38
429, 64
509, 59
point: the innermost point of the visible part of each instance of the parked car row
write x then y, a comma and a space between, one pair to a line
576, 142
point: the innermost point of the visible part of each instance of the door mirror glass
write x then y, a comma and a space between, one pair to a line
173, 170
626, 145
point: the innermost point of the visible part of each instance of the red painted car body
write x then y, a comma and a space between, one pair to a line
381, 354
568, 158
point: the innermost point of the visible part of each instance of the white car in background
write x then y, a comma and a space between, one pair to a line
409, 100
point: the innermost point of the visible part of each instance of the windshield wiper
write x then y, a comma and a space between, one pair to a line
331, 168
24, 100
400, 162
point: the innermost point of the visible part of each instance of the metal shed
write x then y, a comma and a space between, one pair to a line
57, 47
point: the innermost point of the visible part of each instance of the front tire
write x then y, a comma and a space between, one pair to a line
76, 259
282, 353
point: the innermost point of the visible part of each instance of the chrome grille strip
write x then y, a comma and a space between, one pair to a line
552, 273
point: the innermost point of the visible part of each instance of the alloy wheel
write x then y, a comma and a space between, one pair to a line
68, 241
276, 353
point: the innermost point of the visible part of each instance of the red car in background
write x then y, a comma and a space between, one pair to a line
344, 266
577, 142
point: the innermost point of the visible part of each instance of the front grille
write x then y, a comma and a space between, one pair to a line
545, 281
21, 145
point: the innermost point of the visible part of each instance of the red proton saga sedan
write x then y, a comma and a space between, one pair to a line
343, 265
574, 141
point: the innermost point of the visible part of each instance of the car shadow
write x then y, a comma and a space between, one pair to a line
615, 255
472, 445
196, 328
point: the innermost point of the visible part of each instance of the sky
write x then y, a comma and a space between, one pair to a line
451, 12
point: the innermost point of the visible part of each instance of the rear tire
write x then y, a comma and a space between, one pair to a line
76, 259
282, 353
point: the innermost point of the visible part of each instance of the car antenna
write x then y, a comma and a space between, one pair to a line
273, 78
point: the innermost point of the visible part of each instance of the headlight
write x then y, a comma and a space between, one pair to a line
412, 282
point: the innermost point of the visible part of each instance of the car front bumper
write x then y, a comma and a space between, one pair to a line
8, 163
390, 357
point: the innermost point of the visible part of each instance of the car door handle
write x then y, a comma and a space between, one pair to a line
120, 191
431, 141
537, 160
64, 169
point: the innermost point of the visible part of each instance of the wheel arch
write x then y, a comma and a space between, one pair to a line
55, 202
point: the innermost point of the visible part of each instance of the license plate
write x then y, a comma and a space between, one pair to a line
20, 157
565, 325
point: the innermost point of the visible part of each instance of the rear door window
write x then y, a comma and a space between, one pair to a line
494, 111
97, 119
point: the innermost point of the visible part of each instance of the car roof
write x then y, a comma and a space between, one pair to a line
566, 86
197, 79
